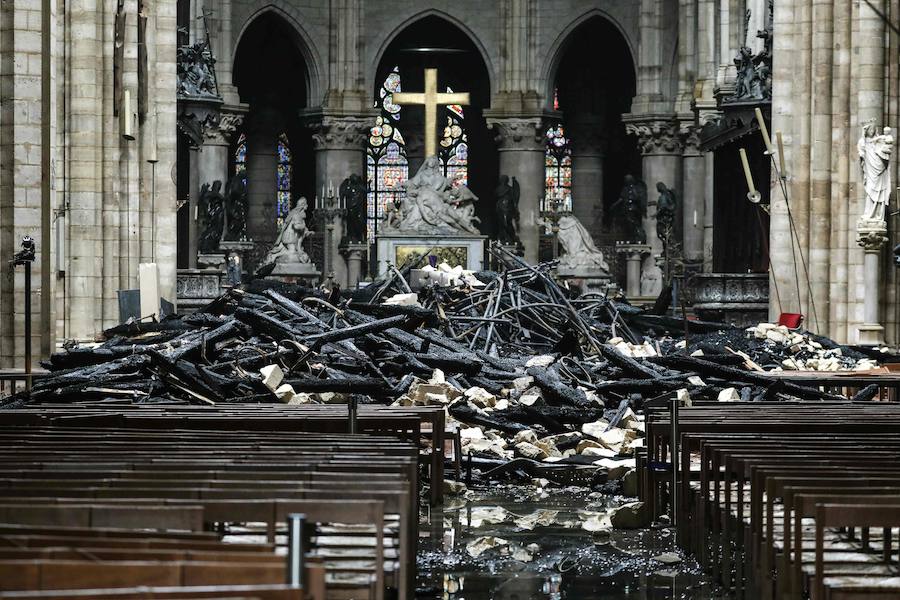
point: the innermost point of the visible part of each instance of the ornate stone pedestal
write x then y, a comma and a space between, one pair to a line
463, 250
590, 280
215, 260
634, 255
294, 272
740, 299
196, 288
871, 235
353, 253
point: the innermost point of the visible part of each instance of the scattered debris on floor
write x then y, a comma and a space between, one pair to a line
541, 382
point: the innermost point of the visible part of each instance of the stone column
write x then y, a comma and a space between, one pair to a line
588, 154
521, 142
262, 164
693, 200
340, 146
634, 254
660, 143
213, 158
871, 235
353, 255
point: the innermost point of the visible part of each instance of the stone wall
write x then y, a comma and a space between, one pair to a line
830, 77
22, 199
101, 185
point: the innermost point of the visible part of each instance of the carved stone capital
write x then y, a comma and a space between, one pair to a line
690, 139
871, 234
219, 132
518, 133
656, 136
340, 133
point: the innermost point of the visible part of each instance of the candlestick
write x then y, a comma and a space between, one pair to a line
747, 173
764, 132
780, 151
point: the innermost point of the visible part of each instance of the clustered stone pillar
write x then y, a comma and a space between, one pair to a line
693, 199
339, 143
588, 154
659, 141
521, 142
634, 255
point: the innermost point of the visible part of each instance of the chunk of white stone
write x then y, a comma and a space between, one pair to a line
598, 452
543, 360
285, 392
531, 451
272, 376
595, 429
526, 435
695, 380
520, 384
471, 433
729, 394
411, 299
629, 516
480, 397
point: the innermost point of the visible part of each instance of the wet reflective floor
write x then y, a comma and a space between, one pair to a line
520, 542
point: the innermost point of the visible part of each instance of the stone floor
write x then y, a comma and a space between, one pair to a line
575, 556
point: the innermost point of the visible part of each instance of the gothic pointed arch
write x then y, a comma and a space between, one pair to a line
299, 38
465, 149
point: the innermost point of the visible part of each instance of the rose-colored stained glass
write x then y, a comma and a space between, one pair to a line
558, 164
386, 164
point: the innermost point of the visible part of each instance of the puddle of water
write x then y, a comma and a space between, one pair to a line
569, 562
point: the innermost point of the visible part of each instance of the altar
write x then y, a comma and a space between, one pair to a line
466, 251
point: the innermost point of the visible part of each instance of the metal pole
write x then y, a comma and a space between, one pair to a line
351, 413
28, 326
673, 455
295, 523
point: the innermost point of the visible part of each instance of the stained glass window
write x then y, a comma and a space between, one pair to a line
454, 150
283, 179
240, 159
386, 164
558, 166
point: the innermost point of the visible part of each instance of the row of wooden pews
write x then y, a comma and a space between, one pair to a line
782, 500
171, 502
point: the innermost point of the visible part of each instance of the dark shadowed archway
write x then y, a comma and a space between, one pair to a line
594, 84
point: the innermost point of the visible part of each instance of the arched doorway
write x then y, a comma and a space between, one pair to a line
272, 152
466, 150
588, 152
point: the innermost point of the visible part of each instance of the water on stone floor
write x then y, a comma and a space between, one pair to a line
568, 562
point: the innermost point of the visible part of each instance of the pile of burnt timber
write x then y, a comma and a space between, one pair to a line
795, 500
202, 512
518, 360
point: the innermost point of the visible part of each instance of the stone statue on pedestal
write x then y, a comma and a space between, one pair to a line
236, 208
196, 73
665, 212
288, 246
212, 217
353, 196
507, 210
432, 205
578, 246
633, 200
874, 158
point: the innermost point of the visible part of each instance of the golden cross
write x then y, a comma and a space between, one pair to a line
431, 99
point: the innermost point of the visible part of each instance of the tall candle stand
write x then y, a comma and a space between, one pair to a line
551, 211
325, 212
